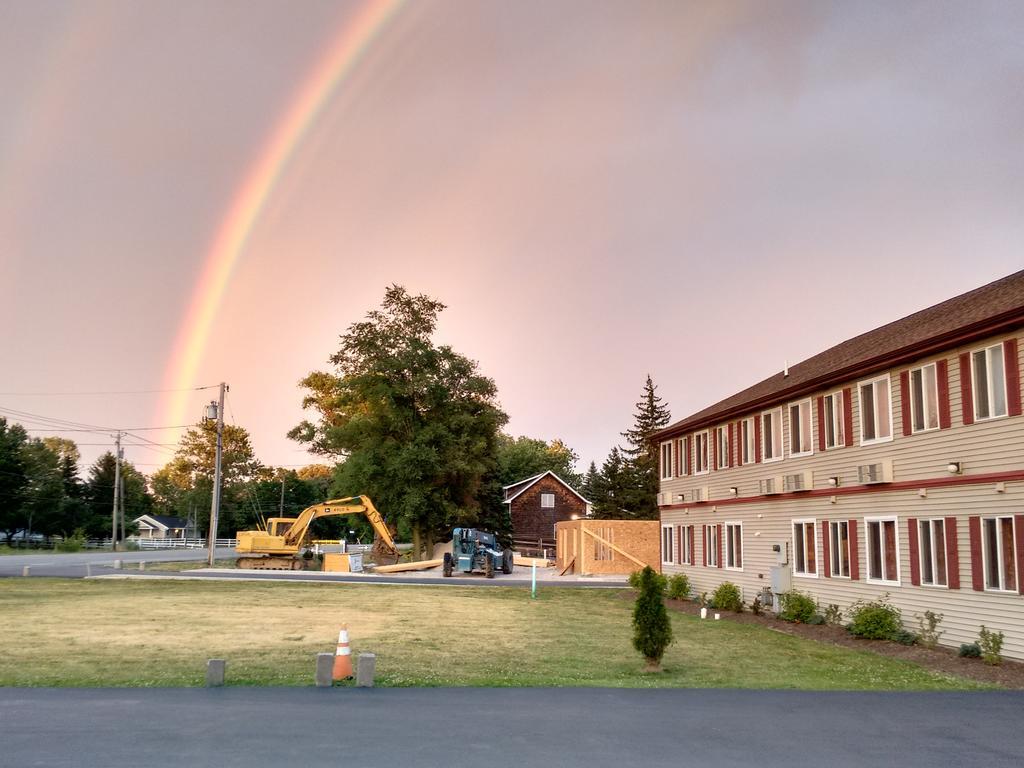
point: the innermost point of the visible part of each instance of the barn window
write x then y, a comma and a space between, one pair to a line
547, 500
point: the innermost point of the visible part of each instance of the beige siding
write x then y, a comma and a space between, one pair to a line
988, 447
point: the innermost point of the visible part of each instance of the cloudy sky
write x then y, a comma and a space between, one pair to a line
597, 190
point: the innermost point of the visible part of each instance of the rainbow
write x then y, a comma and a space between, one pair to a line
355, 37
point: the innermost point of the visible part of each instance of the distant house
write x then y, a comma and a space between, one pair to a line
161, 527
538, 502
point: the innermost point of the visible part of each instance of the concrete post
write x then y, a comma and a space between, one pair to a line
88, 570
324, 670
25, 570
215, 673
142, 565
117, 565
365, 668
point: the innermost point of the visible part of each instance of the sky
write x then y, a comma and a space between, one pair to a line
701, 191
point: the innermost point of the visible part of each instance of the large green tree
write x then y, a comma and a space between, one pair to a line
415, 423
522, 457
99, 494
13, 479
640, 457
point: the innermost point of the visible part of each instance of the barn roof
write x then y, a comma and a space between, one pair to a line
517, 488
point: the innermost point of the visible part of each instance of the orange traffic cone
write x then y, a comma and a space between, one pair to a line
343, 657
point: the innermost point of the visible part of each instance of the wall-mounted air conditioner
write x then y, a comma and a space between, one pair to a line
879, 472
799, 481
701, 493
769, 486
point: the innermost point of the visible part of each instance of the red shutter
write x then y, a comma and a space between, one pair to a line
1012, 369
915, 552
905, 401
687, 440
719, 545
693, 559
952, 554
1018, 555
757, 439
826, 543
713, 434
679, 457
821, 423
966, 392
704, 543
942, 374
732, 442
854, 553
977, 576
848, 415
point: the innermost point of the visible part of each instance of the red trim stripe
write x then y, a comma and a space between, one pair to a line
942, 374
905, 402
966, 391
915, 552
977, 576
1012, 368
952, 554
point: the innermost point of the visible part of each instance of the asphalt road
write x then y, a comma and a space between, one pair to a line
73, 564
474, 727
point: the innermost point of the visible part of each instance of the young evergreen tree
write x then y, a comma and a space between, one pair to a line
640, 458
652, 630
589, 484
611, 486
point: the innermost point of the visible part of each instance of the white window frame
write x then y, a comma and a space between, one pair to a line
698, 438
687, 545
799, 405
730, 536
722, 447
667, 471
838, 419
932, 523
544, 497
748, 446
1001, 589
764, 436
805, 574
989, 388
926, 414
712, 551
834, 555
874, 415
680, 449
668, 553
867, 549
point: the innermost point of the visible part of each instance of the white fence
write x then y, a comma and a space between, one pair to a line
182, 543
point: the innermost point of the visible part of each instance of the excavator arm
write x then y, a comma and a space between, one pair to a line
350, 505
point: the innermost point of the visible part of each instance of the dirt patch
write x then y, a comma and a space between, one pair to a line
1009, 674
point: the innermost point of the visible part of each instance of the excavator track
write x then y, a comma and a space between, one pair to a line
269, 563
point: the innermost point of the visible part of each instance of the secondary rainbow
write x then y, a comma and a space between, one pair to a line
354, 39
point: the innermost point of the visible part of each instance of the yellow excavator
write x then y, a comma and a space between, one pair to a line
279, 546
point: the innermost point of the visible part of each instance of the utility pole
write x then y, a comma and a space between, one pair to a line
117, 488
215, 503
123, 505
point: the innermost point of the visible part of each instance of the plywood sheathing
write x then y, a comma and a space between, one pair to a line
592, 547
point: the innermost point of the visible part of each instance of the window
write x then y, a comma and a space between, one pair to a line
734, 546
666, 544
932, 542
723, 447
839, 549
700, 451
771, 435
680, 450
666, 461
800, 429
924, 399
875, 411
883, 551
833, 425
711, 545
989, 382
686, 542
747, 442
805, 548
998, 556
547, 500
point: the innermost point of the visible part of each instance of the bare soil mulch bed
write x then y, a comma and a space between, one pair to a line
1009, 674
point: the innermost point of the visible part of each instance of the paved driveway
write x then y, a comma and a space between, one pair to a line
474, 727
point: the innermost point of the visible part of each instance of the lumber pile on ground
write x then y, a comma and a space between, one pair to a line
422, 565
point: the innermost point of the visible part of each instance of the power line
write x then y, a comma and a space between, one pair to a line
121, 392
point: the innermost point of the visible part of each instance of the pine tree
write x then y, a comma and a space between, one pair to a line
652, 630
609, 488
640, 462
588, 486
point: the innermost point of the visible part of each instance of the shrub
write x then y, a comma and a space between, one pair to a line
679, 586
755, 605
928, 629
73, 543
904, 637
635, 577
833, 616
652, 631
991, 646
970, 651
702, 600
797, 607
727, 597
816, 620
875, 620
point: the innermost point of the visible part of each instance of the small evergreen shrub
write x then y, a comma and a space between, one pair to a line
679, 587
797, 607
816, 620
904, 637
652, 630
991, 646
73, 543
875, 620
833, 616
970, 651
635, 576
727, 598
928, 632
755, 606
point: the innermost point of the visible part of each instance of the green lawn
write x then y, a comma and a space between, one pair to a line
160, 633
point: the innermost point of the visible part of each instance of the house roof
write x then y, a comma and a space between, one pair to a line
517, 488
163, 521
986, 310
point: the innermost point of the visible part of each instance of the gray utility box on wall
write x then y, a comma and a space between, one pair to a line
782, 579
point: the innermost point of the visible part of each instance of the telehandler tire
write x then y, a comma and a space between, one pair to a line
507, 561
447, 567
489, 568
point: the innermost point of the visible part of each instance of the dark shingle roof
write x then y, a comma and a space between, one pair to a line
980, 309
170, 522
